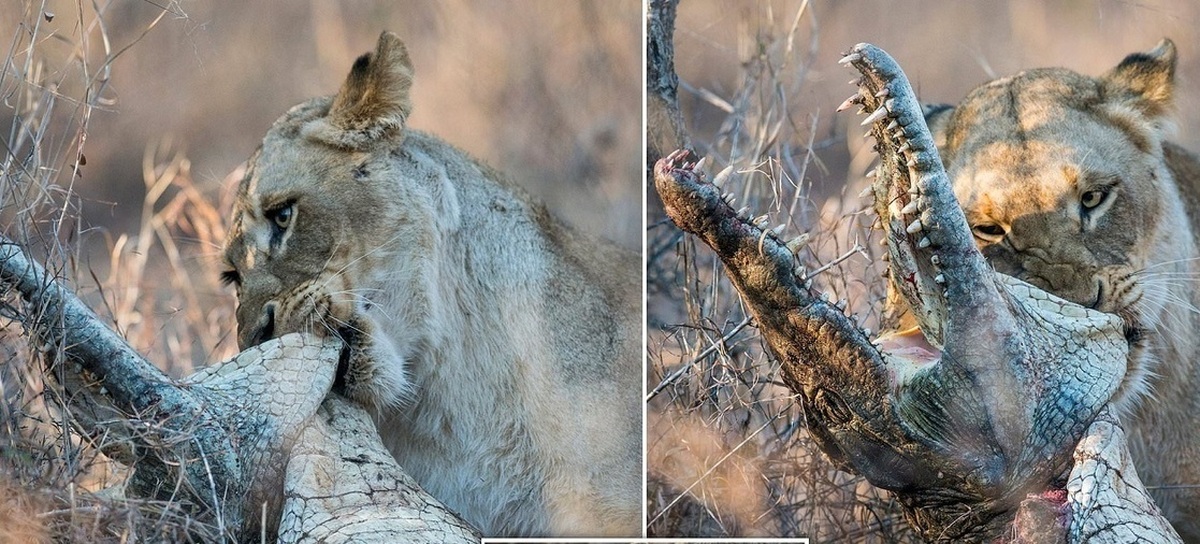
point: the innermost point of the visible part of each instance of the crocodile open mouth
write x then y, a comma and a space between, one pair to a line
931, 250
963, 416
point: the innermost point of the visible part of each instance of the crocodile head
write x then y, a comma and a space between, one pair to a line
965, 416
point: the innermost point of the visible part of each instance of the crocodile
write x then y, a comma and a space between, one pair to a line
257, 445
990, 421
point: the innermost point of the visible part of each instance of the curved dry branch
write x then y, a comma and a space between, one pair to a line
664, 126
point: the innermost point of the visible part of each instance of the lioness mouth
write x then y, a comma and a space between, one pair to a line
349, 336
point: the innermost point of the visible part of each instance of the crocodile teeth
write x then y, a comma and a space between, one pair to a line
867, 191
890, 104
903, 147
914, 227
825, 296
875, 116
912, 162
909, 208
743, 211
855, 82
849, 58
894, 125
866, 331
940, 278
700, 164
722, 176
882, 93
849, 102
796, 244
779, 230
924, 242
760, 221
729, 198
808, 284
872, 173
840, 304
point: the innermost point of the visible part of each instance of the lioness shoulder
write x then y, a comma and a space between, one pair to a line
1069, 183
499, 347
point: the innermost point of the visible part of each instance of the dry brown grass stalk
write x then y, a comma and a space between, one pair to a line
522, 97
770, 115
728, 451
55, 482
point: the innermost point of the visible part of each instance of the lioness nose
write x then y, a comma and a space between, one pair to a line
264, 329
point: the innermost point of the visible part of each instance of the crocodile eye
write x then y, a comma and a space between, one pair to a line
231, 277
1093, 198
282, 217
990, 232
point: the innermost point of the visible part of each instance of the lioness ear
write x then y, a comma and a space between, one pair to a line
1145, 81
373, 103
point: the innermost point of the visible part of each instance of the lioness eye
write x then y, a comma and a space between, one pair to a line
282, 217
1091, 199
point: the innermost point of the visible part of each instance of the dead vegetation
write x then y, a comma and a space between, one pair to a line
55, 482
727, 451
727, 447
122, 119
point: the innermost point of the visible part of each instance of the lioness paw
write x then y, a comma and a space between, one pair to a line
371, 371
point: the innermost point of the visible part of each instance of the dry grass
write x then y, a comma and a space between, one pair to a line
54, 482
546, 91
127, 124
727, 432
759, 83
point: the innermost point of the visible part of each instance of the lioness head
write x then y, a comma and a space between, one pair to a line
1063, 181
318, 211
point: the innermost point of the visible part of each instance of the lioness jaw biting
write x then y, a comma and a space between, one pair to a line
499, 347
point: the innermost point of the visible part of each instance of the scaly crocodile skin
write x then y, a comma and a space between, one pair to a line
963, 440
257, 437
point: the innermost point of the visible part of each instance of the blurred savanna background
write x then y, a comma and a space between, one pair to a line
125, 124
759, 83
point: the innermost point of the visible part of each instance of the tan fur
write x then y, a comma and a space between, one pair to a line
1069, 184
500, 348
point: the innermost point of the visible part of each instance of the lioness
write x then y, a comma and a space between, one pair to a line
499, 348
1068, 182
